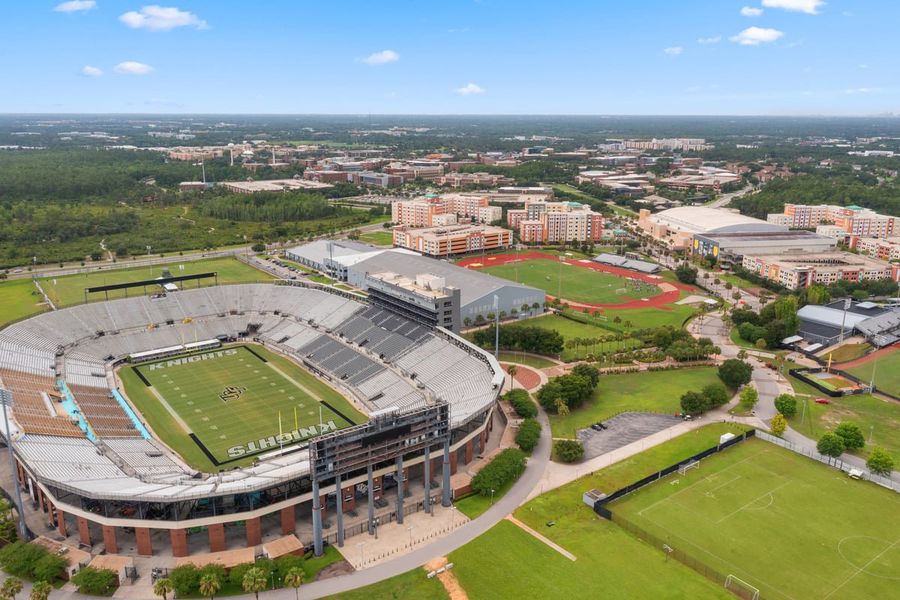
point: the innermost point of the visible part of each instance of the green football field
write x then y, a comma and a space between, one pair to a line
786, 524
578, 283
230, 400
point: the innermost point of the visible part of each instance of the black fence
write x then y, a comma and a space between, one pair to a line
601, 508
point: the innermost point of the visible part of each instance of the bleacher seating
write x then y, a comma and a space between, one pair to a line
31, 408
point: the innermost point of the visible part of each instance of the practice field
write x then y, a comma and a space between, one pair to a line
221, 408
578, 284
886, 366
19, 299
68, 290
787, 525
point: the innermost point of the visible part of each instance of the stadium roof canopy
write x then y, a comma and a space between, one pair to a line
702, 219
626, 263
825, 315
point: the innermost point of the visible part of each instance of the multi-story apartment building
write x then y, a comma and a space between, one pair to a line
454, 239
542, 221
883, 248
480, 179
409, 171
422, 212
854, 220
671, 144
795, 271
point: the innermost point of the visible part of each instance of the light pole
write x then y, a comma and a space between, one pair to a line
492, 496
6, 399
409, 529
362, 552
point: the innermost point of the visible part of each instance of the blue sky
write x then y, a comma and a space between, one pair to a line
761, 57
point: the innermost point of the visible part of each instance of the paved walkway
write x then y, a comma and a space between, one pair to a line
540, 537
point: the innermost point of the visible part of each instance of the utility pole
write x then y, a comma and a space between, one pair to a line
496, 327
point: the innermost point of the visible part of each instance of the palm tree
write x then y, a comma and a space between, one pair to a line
11, 587
512, 370
209, 585
562, 409
294, 578
163, 587
40, 590
254, 581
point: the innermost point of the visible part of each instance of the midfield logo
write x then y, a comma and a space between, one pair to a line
231, 392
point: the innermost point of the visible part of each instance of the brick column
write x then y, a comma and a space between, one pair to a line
179, 542
254, 531
41, 504
144, 545
323, 502
84, 532
405, 481
349, 497
288, 520
20, 473
61, 523
470, 447
216, 537
454, 458
377, 482
109, 539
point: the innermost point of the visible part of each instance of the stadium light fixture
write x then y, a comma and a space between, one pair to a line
6, 399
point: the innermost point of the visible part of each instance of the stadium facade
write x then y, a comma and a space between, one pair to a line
86, 457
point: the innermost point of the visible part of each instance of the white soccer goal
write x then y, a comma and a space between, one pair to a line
621, 291
694, 464
741, 588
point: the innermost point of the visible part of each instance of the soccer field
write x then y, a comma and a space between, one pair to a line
221, 408
787, 525
578, 283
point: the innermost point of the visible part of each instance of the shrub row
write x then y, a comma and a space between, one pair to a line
505, 468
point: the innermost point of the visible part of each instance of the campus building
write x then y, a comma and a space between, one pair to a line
795, 271
453, 239
853, 220
730, 247
883, 248
676, 227
541, 221
425, 211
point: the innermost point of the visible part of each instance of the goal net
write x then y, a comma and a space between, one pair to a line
741, 588
621, 291
694, 464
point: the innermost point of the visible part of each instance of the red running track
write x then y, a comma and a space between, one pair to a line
671, 291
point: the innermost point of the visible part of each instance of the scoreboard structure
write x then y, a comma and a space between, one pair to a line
388, 437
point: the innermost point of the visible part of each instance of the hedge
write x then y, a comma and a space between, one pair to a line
505, 468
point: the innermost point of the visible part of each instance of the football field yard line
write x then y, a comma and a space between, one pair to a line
763, 495
860, 570
172, 411
699, 481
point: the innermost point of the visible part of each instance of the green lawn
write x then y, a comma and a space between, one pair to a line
474, 505
887, 372
736, 280
570, 329
788, 525
578, 283
378, 238
648, 318
651, 391
412, 585
610, 563
68, 290
849, 352
524, 359
231, 422
19, 299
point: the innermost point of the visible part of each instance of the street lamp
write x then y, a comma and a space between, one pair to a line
492, 496
6, 399
362, 552
409, 529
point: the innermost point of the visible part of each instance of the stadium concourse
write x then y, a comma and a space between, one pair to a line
88, 460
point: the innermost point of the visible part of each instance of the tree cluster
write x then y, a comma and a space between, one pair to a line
31, 561
776, 321
521, 402
95, 582
569, 391
529, 434
734, 373
522, 337
505, 468
686, 273
711, 396
568, 451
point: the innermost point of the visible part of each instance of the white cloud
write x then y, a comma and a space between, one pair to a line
89, 71
381, 58
470, 89
161, 18
749, 11
754, 36
863, 66
673, 50
810, 7
860, 90
131, 67
75, 6
710, 40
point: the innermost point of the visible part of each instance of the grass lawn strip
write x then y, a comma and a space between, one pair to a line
19, 299
887, 372
728, 512
647, 391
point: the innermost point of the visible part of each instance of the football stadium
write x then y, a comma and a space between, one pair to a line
199, 419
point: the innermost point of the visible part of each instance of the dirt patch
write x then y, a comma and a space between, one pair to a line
447, 579
335, 570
